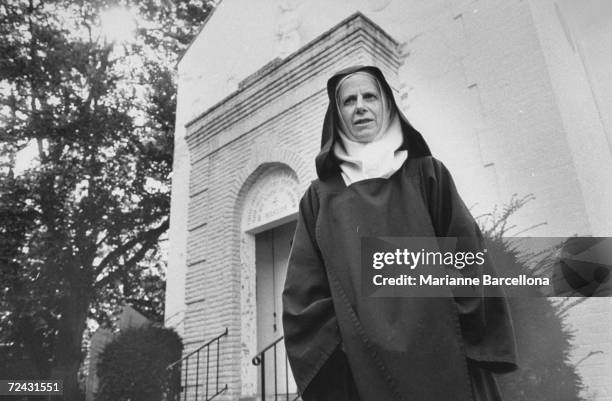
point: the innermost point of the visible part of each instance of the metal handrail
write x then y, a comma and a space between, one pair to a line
256, 359
199, 349
185, 369
260, 360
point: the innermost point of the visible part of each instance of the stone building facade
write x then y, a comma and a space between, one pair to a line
502, 91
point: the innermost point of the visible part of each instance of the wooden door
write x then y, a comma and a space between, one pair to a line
272, 254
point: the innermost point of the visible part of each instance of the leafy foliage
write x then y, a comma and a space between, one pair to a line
545, 372
543, 341
134, 366
81, 224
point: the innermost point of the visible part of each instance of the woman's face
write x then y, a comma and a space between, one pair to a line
361, 107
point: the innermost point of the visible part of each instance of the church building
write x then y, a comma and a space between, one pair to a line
514, 96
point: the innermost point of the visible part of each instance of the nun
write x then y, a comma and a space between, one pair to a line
377, 178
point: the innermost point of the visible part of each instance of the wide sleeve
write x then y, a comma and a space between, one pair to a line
309, 321
484, 316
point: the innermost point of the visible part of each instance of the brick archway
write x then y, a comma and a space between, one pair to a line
266, 168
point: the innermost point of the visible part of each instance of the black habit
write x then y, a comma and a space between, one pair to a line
345, 346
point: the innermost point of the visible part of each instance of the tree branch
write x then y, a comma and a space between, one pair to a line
148, 244
146, 236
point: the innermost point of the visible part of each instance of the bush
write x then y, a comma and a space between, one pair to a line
543, 342
545, 373
134, 366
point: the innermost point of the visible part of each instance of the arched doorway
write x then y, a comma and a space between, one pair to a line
268, 220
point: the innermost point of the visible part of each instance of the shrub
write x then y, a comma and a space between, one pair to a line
543, 342
134, 366
545, 373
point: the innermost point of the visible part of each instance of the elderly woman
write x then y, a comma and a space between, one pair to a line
377, 178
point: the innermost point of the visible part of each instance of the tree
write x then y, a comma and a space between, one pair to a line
81, 228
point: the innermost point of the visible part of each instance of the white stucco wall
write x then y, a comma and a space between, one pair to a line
579, 95
478, 64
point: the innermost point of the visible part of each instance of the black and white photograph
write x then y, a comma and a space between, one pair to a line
265, 200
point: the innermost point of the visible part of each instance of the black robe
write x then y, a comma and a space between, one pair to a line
345, 346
